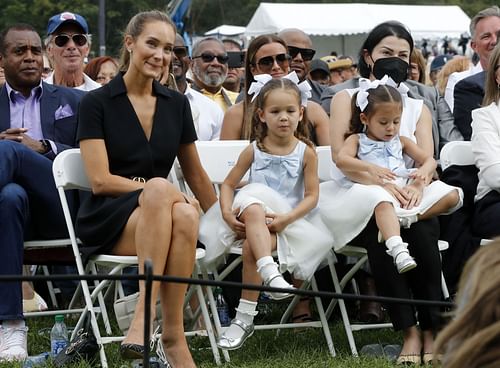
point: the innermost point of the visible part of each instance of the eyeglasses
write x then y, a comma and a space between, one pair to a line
62, 39
307, 54
180, 51
208, 58
266, 63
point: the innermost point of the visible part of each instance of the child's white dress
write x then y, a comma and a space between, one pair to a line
276, 183
346, 207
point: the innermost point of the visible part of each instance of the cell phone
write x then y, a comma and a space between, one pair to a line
236, 59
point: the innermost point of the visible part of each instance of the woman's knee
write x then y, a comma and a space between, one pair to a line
159, 193
186, 219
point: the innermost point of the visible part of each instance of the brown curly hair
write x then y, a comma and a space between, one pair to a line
259, 130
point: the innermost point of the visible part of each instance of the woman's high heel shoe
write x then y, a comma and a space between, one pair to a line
409, 359
430, 358
131, 351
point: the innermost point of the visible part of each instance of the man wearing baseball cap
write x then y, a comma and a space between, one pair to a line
68, 44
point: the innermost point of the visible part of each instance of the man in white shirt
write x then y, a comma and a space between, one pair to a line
484, 28
68, 44
207, 115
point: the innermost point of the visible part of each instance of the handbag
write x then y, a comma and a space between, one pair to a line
125, 308
83, 346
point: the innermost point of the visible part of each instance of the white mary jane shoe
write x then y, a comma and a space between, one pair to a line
228, 343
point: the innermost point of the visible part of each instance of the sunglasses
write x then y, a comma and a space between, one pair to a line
266, 63
62, 39
307, 54
208, 58
180, 51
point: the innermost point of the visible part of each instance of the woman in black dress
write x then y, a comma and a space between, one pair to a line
130, 132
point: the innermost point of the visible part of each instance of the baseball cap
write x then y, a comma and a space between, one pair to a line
318, 64
439, 61
57, 20
335, 63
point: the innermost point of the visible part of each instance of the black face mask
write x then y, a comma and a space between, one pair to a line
394, 67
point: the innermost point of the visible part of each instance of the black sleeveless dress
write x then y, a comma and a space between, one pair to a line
106, 113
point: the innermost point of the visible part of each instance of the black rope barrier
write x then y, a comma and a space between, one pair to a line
203, 282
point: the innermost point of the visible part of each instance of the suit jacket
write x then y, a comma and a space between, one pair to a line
468, 95
58, 127
443, 129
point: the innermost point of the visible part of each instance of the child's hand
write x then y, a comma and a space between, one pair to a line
414, 194
276, 223
236, 225
381, 175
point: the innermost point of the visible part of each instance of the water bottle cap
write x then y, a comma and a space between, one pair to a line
59, 318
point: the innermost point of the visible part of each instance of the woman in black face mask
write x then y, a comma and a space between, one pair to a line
387, 50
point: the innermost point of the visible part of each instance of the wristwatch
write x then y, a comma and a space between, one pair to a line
45, 145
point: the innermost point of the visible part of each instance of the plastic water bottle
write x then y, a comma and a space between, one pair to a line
36, 360
222, 308
58, 336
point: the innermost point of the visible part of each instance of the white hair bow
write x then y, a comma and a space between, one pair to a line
366, 84
262, 79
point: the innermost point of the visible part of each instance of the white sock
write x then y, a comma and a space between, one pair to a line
245, 312
14, 323
393, 241
269, 269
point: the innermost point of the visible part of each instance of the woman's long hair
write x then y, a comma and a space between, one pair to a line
492, 87
248, 108
135, 27
472, 338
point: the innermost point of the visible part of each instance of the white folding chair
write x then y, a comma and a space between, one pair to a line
324, 172
458, 153
68, 174
217, 158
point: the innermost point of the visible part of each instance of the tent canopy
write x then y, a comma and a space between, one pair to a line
226, 30
429, 21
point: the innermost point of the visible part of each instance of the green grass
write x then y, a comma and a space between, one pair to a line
291, 349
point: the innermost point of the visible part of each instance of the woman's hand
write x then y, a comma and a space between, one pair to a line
276, 223
236, 225
380, 175
397, 192
414, 193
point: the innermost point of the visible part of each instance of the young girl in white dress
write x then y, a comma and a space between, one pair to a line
273, 211
375, 146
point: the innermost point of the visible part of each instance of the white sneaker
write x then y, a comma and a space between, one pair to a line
402, 259
13, 343
407, 221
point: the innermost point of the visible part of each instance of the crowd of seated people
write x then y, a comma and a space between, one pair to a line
171, 95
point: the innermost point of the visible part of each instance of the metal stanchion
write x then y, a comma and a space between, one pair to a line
148, 272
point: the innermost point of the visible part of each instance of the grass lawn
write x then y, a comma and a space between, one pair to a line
291, 349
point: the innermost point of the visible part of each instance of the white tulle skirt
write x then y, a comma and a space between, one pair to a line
346, 210
301, 247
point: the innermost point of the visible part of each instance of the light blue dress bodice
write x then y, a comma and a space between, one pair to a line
386, 154
284, 174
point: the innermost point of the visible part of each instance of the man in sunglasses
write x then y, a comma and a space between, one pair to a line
209, 67
37, 121
68, 44
207, 115
301, 51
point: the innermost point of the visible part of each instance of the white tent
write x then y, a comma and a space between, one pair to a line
343, 27
226, 30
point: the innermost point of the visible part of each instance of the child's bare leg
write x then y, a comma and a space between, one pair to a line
388, 224
387, 221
